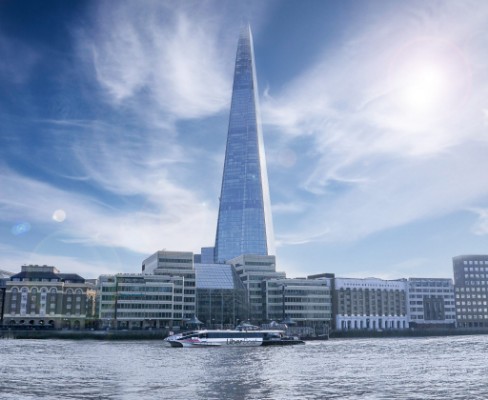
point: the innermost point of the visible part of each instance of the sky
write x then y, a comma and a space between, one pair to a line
113, 122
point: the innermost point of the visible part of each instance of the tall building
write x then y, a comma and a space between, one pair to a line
244, 223
471, 290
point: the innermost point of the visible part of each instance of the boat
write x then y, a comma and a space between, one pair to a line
236, 338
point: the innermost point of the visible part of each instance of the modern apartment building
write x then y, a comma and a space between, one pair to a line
41, 296
471, 290
179, 266
244, 222
371, 303
431, 303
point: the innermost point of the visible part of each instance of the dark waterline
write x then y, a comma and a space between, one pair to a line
393, 368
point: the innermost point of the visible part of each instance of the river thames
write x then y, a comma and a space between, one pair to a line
452, 367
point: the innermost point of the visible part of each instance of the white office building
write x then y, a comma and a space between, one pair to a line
370, 304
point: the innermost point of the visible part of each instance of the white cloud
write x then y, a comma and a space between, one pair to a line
170, 55
481, 225
377, 164
165, 222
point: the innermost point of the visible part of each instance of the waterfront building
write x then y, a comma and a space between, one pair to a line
471, 290
304, 302
221, 296
254, 271
371, 304
4, 276
137, 301
244, 223
41, 296
431, 303
178, 265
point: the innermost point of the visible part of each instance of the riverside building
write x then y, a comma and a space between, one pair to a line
137, 301
254, 271
371, 304
305, 302
431, 303
221, 296
4, 276
41, 296
471, 290
179, 266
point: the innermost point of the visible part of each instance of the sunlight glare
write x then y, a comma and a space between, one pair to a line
429, 79
424, 87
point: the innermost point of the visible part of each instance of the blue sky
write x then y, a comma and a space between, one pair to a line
113, 121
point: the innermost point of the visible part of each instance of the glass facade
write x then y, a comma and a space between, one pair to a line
244, 223
221, 296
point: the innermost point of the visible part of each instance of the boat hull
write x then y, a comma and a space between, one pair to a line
229, 338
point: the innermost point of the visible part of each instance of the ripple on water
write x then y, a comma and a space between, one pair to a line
410, 368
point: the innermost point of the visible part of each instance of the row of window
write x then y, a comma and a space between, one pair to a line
468, 303
470, 309
34, 290
475, 262
470, 289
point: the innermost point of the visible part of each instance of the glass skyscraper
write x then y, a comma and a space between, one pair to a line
244, 223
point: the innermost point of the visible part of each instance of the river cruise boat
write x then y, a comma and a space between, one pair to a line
237, 338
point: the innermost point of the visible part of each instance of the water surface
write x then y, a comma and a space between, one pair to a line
393, 368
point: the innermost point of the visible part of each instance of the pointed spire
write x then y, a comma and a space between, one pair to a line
244, 223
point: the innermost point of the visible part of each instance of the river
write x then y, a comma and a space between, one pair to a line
454, 367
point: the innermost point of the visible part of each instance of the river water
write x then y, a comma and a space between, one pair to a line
393, 368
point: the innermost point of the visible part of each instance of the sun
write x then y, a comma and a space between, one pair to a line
423, 86
428, 77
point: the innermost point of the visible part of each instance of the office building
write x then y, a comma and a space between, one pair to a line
137, 301
431, 303
244, 223
371, 304
221, 296
306, 304
471, 290
178, 265
254, 270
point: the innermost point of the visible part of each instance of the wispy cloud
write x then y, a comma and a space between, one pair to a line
481, 225
166, 219
170, 54
379, 162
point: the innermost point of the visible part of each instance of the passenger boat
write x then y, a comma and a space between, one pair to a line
237, 338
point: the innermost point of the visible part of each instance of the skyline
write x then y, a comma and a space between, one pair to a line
114, 119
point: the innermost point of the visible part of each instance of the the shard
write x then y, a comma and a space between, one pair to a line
244, 223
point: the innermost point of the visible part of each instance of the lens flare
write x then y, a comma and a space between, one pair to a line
59, 215
21, 228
